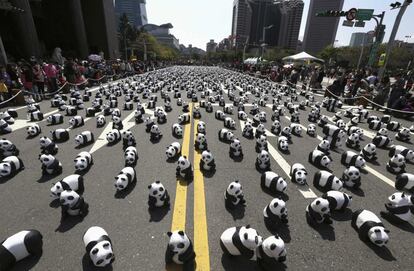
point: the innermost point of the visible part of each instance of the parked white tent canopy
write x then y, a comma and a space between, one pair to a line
302, 57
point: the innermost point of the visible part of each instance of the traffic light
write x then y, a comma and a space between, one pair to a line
395, 5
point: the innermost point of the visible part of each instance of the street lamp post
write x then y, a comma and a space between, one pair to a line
362, 51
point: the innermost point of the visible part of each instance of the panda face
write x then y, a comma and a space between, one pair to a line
398, 159
156, 189
32, 130
324, 144
283, 143
116, 119
207, 156
250, 238
155, 130
148, 121
183, 162
201, 127
383, 132
201, 138
260, 128
286, 131
300, 176
5, 144
352, 173
235, 144
170, 152
127, 135
399, 199
324, 119
111, 137
320, 206
230, 136
378, 235
278, 207
68, 198
370, 148
181, 118
248, 126
360, 162
121, 182
101, 254
337, 184
56, 190
178, 242
47, 159
311, 130
404, 131
354, 137
78, 140
44, 141
261, 140
264, 156
410, 156
5, 169
235, 189
276, 124
325, 161
80, 163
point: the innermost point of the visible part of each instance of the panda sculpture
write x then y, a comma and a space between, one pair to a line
275, 213
318, 211
72, 204
353, 141
319, 159
20, 246
72, 182
263, 161
225, 135
161, 117
113, 136
325, 181
324, 146
117, 123
50, 164
369, 152
396, 164
33, 130
393, 126
47, 146
376, 125
201, 127
131, 156
242, 115
184, 169
149, 122
100, 121
236, 149
7, 148
405, 182
128, 139
200, 142
271, 253
173, 150
158, 196
370, 227
184, 118
400, 207
272, 182
351, 177
248, 131
276, 127
241, 241
261, 143
350, 158
286, 132
55, 119
125, 179
338, 201
84, 138
180, 251
177, 130
283, 144
32, 116
60, 135
229, 123
138, 116
296, 129
76, 121
298, 174
83, 161
311, 130
381, 141
398, 149
98, 246
207, 162
10, 166
234, 196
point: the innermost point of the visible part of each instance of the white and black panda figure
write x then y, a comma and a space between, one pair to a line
324, 146
234, 196
7, 148
318, 211
398, 149
276, 127
241, 241
83, 161
5, 128
283, 144
272, 182
125, 179
76, 121
128, 106
261, 143
236, 149
117, 123
7, 117
376, 125
113, 137
275, 213
405, 182
248, 131
196, 112
369, 152
325, 181
351, 178
225, 135
296, 129
47, 146
209, 107
91, 111
33, 130
338, 201
312, 116
158, 196
55, 119
263, 161
72, 204
341, 124
294, 117
10, 166
32, 116
161, 117
403, 135
228, 109
100, 121
201, 127
20, 246
219, 115
298, 174
369, 227
207, 162
322, 121
184, 118
85, 138
98, 246
311, 130
173, 151
393, 126
177, 130
353, 141
271, 253
72, 182
396, 164
50, 164
149, 122
399, 207
131, 156
286, 132
167, 106
71, 111
319, 159
180, 251
229, 123
242, 115
260, 130
128, 139
383, 132
60, 135
138, 116
381, 141
184, 169
350, 158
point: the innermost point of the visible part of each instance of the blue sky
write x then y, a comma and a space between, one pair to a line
197, 21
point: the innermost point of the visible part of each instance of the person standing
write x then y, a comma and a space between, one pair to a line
51, 74
39, 79
5, 83
397, 91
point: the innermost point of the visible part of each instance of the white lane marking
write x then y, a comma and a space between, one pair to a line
19, 123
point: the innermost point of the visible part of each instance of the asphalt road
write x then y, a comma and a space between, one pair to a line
139, 236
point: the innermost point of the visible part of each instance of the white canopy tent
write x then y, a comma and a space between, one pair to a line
303, 56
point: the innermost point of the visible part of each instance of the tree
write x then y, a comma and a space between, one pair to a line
127, 33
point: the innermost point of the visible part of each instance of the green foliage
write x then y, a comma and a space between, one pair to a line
277, 53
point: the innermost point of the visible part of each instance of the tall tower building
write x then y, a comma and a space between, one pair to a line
240, 29
134, 9
321, 31
291, 17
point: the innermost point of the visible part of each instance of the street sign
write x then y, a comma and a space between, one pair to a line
351, 15
348, 23
364, 14
381, 60
359, 24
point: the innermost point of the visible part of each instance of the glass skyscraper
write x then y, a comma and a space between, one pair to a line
134, 9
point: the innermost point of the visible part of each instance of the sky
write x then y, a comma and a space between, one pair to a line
197, 21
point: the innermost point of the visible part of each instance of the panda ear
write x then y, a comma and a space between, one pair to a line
181, 233
236, 181
157, 182
185, 157
169, 234
248, 226
403, 195
149, 186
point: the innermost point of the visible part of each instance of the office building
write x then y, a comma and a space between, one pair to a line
361, 39
321, 31
135, 10
211, 46
162, 34
240, 29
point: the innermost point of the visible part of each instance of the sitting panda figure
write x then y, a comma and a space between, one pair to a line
113, 136
47, 146
180, 251
260, 130
298, 174
83, 161
209, 107
229, 123
353, 141
341, 124
241, 241
311, 130
319, 159
400, 207
234, 196
184, 169
177, 130
396, 164
20, 246
73, 204
276, 127
272, 182
263, 161
376, 125
248, 130
84, 138
403, 135
161, 117
50, 165
72, 182
100, 121
283, 144
196, 112
207, 162
370, 227
158, 196
338, 201
294, 117
261, 143
324, 146
236, 149
128, 139
98, 246
138, 116
296, 129
201, 127
350, 158
275, 213
312, 117
398, 149
271, 253
149, 122
60, 135
167, 106
76, 121
125, 179
7, 148
322, 121
225, 135
173, 150
117, 123
200, 142
10, 166
351, 177
318, 211
369, 152
33, 130
286, 132
131, 156
155, 133
325, 181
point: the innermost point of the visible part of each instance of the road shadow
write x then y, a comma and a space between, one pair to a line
68, 223
276, 194
402, 225
325, 231
236, 212
27, 264
47, 177
84, 145
236, 159
382, 252
157, 214
358, 192
87, 265
281, 229
345, 215
123, 193
231, 263
208, 174
173, 160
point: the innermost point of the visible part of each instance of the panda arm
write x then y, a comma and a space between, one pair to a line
151, 201
168, 256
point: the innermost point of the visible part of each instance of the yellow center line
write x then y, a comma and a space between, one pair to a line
200, 217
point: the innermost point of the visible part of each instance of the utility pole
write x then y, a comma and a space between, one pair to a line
394, 31
362, 52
